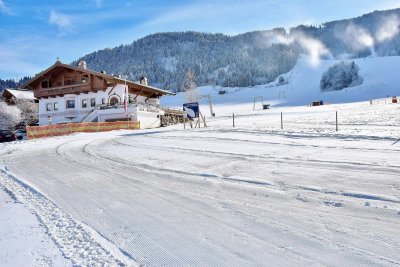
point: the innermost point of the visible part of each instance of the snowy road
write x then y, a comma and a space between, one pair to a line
226, 197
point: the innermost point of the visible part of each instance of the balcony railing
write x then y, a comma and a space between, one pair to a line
62, 90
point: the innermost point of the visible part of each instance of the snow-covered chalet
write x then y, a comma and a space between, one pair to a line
77, 94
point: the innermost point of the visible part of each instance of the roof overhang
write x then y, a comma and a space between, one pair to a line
136, 87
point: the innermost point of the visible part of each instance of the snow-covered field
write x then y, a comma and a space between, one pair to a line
253, 195
380, 75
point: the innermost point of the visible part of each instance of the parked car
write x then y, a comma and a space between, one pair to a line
20, 134
7, 136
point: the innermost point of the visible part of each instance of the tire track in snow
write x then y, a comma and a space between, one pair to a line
315, 164
84, 148
238, 140
302, 134
239, 231
320, 164
72, 238
221, 178
160, 247
295, 230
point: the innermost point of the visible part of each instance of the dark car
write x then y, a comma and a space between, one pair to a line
7, 136
20, 134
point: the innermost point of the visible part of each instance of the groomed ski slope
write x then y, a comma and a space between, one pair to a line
302, 86
253, 195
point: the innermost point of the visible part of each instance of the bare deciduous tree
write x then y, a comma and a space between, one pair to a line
29, 111
10, 116
190, 87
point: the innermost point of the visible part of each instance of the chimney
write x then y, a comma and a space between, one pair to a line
82, 64
143, 80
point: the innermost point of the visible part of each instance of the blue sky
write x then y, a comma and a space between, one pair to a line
34, 33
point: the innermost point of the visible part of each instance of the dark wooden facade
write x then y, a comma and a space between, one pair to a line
61, 79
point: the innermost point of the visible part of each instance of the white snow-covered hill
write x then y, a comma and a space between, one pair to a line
249, 195
381, 77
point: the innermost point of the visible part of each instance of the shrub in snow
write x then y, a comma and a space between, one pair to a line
341, 75
10, 116
282, 81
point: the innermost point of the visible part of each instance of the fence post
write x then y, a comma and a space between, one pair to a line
233, 119
281, 120
337, 128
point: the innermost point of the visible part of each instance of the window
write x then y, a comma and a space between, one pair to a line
84, 103
103, 101
113, 101
93, 102
45, 84
85, 78
55, 105
70, 104
69, 80
48, 106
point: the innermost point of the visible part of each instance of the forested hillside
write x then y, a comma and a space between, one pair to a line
165, 58
246, 59
12, 83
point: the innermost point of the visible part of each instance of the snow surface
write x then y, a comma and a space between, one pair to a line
253, 195
23, 241
22, 94
380, 74
250, 195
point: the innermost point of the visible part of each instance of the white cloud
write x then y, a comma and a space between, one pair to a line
4, 8
62, 21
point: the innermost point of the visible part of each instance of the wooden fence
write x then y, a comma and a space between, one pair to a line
34, 132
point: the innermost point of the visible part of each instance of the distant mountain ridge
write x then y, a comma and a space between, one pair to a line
246, 59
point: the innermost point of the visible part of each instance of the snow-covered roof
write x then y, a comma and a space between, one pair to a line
20, 94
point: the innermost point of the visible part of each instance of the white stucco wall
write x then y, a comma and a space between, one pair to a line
148, 119
119, 113
79, 112
63, 114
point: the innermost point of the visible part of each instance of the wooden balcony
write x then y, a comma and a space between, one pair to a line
63, 90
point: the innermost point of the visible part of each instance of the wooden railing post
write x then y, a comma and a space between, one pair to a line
337, 127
